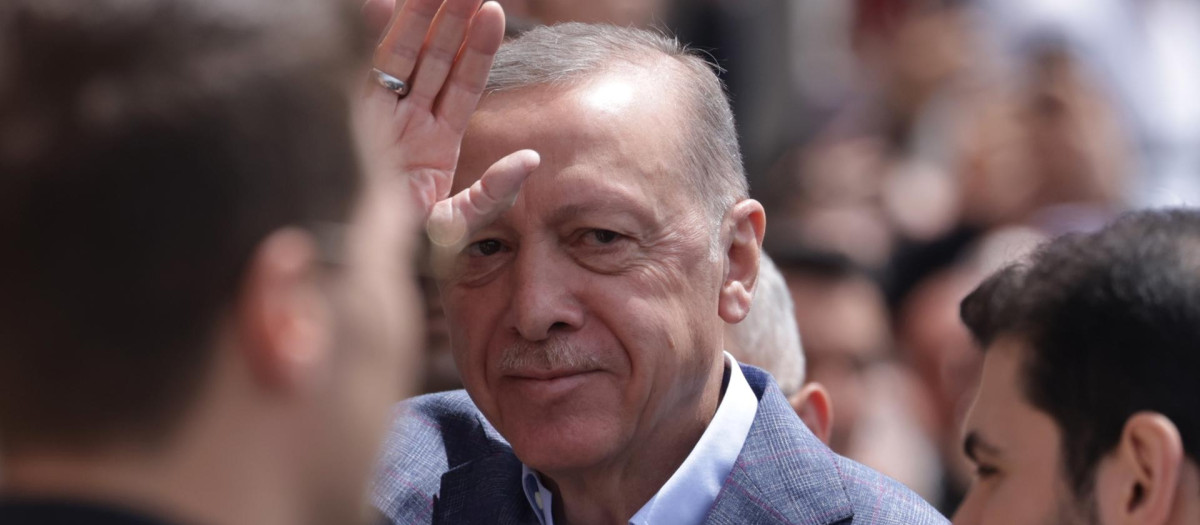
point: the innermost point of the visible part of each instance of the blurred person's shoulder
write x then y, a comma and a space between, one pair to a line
431, 435
22, 511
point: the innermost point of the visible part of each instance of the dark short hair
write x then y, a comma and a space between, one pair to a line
146, 148
1110, 323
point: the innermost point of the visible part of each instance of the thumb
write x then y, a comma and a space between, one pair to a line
452, 220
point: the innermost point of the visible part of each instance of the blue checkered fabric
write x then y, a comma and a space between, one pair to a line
444, 463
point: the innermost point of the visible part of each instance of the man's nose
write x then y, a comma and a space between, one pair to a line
544, 300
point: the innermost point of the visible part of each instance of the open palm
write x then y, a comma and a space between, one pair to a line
443, 49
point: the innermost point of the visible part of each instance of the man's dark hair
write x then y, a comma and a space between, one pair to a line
146, 148
1110, 323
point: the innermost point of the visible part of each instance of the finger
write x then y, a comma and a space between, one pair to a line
470, 73
452, 220
437, 57
397, 53
377, 14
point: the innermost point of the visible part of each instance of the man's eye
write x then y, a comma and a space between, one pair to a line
604, 236
485, 247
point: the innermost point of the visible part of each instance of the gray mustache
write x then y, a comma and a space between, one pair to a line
552, 354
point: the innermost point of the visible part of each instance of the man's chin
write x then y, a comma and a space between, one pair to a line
564, 447
562, 458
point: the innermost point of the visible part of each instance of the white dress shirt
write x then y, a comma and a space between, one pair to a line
690, 492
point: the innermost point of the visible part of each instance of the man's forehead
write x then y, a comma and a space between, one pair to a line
999, 383
603, 100
605, 116
1000, 405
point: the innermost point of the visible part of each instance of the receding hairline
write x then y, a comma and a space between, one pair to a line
635, 60
674, 105
571, 53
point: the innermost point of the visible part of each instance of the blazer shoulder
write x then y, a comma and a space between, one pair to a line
880, 500
430, 435
786, 475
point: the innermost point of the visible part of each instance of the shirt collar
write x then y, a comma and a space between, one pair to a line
689, 493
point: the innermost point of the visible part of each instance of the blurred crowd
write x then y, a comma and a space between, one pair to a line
904, 150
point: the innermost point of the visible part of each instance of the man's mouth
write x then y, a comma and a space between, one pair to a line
546, 375
535, 384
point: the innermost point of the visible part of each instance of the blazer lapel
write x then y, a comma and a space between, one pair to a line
485, 490
784, 474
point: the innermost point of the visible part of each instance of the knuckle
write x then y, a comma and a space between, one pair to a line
439, 54
399, 53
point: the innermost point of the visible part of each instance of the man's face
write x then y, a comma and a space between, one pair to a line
1015, 449
585, 320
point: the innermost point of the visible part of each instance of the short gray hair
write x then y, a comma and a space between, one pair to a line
768, 337
566, 54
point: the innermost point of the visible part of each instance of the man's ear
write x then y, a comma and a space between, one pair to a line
814, 406
1138, 482
284, 325
747, 223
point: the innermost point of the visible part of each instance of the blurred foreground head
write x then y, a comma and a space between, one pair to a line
202, 278
1088, 408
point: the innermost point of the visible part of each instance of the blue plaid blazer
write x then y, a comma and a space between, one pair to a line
444, 463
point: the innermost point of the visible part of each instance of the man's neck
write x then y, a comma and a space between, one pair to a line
222, 465
613, 492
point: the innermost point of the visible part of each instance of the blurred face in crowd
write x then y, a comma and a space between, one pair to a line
374, 307
585, 319
940, 347
844, 327
1015, 448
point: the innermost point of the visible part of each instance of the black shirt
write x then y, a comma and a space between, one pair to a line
48, 512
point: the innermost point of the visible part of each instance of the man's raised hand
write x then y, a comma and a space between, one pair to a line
442, 50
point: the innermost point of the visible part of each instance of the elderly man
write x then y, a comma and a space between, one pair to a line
1089, 408
769, 338
207, 287
587, 321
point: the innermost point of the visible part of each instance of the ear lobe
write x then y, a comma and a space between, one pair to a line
1139, 481
815, 407
282, 319
748, 224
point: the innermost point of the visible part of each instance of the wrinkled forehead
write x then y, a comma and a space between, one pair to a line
626, 117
